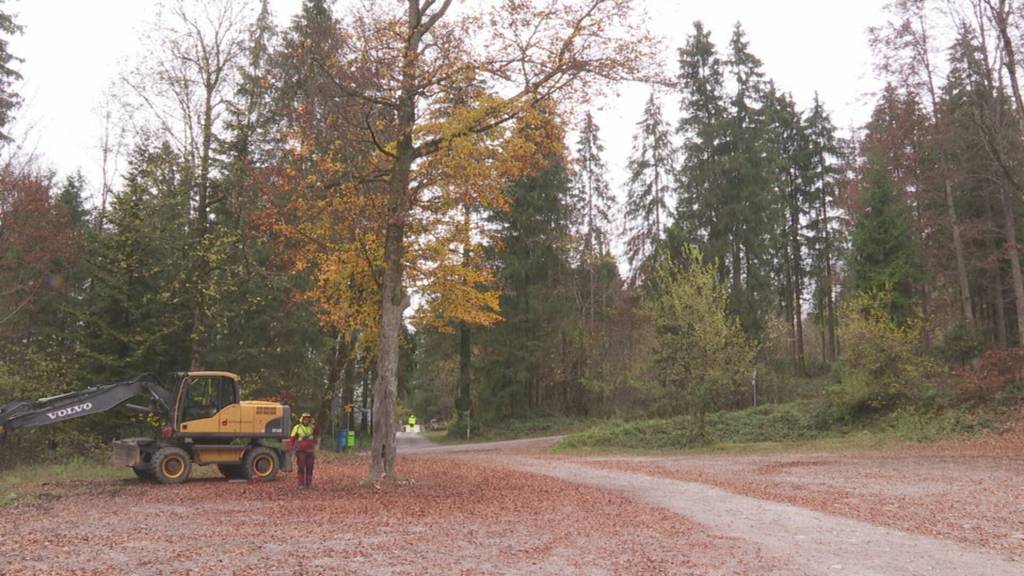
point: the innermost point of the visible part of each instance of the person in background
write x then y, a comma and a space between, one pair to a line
412, 423
303, 440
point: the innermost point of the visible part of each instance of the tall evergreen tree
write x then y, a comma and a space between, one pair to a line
651, 168
699, 219
592, 205
823, 184
592, 198
882, 259
9, 100
896, 140
136, 313
787, 147
749, 205
529, 358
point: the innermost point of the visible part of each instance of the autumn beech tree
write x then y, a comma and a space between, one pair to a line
439, 93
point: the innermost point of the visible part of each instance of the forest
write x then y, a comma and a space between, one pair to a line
407, 207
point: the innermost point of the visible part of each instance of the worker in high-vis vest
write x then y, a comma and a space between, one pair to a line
303, 442
412, 422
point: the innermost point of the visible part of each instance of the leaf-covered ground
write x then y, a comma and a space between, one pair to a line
465, 510
449, 516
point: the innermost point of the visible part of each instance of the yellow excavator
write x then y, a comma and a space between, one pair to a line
207, 422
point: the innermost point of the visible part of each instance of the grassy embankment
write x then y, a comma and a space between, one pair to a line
804, 419
41, 482
513, 429
795, 425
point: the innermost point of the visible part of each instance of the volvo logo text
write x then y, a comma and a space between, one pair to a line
69, 411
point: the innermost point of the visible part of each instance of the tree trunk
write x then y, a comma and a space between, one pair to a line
823, 330
465, 366
393, 303
958, 249
787, 303
999, 310
829, 346
996, 280
1013, 253
348, 381
797, 292
367, 379
1001, 16
201, 224
393, 297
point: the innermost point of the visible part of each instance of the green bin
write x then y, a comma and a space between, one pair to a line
350, 442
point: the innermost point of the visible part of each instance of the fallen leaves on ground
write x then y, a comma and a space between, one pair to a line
446, 516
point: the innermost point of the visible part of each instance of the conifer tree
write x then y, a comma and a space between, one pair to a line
592, 197
823, 175
786, 146
592, 205
651, 168
749, 204
136, 314
699, 219
533, 259
9, 100
882, 260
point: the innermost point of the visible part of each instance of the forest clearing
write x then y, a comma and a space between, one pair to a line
515, 508
753, 271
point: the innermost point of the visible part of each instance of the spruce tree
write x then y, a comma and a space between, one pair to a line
651, 168
527, 353
592, 205
882, 260
9, 100
597, 279
136, 313
787, 147
749, 205
823, 185
698, 219
592, 198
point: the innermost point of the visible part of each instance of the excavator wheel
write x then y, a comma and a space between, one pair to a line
230, 470
171, 465
260, 463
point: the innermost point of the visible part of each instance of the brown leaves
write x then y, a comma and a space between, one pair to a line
448, 516
37, 243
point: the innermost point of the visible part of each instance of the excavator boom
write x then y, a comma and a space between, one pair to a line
32, 413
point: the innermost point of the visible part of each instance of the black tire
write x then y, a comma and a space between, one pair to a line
171, 465
230, 470
144, 472
260, 463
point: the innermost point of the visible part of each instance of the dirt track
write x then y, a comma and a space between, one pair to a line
514, 509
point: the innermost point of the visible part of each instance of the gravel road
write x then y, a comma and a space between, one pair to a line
514, 508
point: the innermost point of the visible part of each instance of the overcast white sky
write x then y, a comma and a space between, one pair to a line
73, 49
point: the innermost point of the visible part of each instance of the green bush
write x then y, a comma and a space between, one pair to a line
882, 364
771, 423
702, 357
961, 344
792, 422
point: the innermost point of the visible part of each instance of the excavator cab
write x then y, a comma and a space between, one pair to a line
206, 404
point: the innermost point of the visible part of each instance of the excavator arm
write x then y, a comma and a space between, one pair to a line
32, 413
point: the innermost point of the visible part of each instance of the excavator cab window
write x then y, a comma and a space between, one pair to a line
206, 396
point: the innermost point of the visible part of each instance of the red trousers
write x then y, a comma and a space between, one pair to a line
304, 462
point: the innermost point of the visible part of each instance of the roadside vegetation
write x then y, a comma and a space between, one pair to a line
511, 429
787, 426
43, 482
